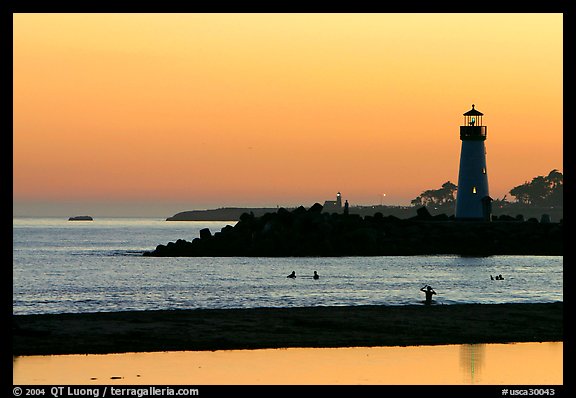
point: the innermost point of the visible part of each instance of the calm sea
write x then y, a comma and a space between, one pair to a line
62, 266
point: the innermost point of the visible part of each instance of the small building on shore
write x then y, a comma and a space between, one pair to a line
333, 206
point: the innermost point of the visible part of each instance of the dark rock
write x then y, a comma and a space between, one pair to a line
505, 217
205, 233
81, 218
316, 208
299, 210
423, 213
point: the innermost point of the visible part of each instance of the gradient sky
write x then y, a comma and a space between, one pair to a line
159, 113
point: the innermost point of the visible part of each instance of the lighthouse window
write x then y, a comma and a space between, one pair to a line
473, 189
483, 170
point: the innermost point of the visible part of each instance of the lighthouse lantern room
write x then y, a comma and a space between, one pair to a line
473, 201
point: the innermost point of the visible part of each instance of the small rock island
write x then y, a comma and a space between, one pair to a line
81, 218
311, 232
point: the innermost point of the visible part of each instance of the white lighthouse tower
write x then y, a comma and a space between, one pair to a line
472, 200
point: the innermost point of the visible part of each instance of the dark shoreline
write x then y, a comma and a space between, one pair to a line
226, 329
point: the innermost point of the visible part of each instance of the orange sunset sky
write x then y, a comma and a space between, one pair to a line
152, 114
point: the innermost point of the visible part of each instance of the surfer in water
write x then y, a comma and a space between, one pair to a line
429, 292
316, 276
292, 275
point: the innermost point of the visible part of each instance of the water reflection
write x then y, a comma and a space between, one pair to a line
471, 361
520, 363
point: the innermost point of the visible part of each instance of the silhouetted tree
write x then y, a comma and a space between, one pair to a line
521, 193
541, 191
447, 192
437, 197
556, 196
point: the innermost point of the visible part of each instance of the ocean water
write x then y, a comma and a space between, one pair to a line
62, 266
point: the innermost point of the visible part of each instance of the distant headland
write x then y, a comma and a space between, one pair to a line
222, 214
312, 232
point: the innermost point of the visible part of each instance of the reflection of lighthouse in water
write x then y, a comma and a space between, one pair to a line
472, 360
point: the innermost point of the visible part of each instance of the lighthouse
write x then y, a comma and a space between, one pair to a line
472, 199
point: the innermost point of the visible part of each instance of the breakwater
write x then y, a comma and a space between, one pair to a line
310, 232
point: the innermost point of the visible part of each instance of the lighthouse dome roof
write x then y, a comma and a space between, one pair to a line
473, 112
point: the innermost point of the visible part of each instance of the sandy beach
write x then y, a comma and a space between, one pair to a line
198, 330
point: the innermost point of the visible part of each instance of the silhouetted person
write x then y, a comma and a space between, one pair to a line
429, 292
346, 207
500, 277
292, 275
316, 276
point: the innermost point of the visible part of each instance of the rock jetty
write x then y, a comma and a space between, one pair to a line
309, 232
